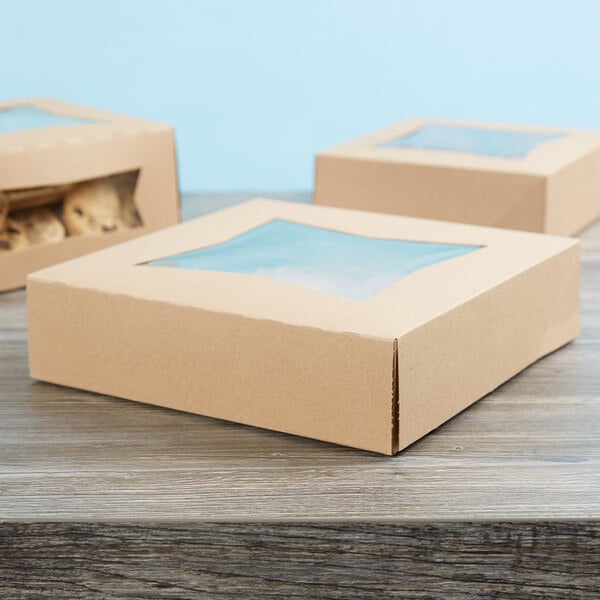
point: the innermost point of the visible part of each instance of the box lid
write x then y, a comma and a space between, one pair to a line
554, 149
31, 123
400, 307
67, 143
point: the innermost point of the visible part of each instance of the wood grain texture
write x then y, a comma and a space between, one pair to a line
327, 561
528, 451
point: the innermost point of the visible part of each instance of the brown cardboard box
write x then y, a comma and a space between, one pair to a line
461, 172
69, 144
375, 373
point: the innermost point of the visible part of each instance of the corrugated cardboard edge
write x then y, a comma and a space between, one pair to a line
333, 386
395, 402
495, 335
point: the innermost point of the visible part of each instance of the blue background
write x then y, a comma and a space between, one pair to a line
255, 88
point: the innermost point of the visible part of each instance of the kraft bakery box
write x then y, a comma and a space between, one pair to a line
75, 179
525, 178
356, 328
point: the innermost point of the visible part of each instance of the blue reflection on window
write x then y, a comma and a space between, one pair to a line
470, 140
342, 264
22, 117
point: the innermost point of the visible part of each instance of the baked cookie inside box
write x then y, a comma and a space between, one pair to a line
43, 215
362, 329
74, 179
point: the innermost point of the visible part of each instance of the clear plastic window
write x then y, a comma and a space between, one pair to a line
470, 140
23, 117
43, 215
343, 264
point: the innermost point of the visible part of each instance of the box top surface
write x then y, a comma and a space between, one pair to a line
327, 268
45, 122
502, 148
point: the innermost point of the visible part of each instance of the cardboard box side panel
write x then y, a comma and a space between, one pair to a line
157, 193
308, 382
574, 196
449, 363
513, 201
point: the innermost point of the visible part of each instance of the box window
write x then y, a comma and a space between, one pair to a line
41, 215
508, 144
342, 264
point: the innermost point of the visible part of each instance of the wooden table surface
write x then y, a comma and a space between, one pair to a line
521, 466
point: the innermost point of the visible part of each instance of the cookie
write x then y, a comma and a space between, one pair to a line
125, 184
129, 213
40, 224
12, 237
37, 196
93, 207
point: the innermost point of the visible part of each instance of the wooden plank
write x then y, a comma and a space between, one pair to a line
321, 561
